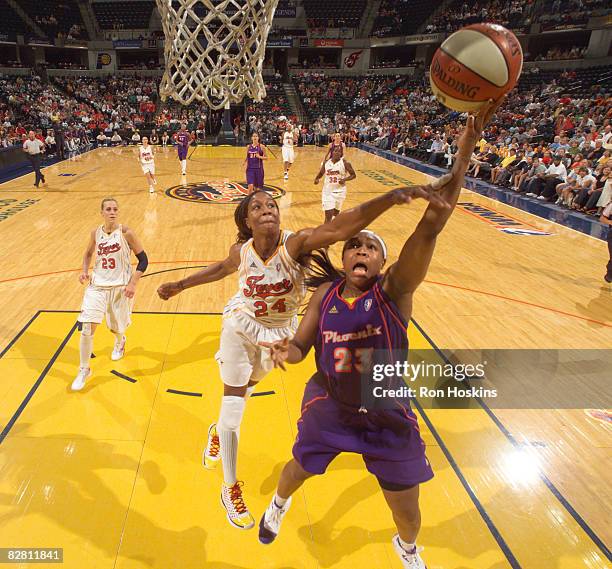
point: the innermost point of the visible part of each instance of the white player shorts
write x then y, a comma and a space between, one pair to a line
333, 199
150, 168
109, 302
240, 357
288, 154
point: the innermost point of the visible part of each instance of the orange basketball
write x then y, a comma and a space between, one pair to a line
477, 63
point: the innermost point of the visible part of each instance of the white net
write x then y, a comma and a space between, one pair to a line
215, 50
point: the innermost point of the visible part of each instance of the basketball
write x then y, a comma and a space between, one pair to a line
475, 64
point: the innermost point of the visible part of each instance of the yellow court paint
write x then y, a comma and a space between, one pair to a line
113, 474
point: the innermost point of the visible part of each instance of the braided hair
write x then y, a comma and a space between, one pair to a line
240, 216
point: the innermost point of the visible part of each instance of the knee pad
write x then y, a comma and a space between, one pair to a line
86, 329
232, 410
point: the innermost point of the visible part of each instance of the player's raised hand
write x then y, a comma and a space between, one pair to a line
168, 290
83, 278
475, 124
279, 351
407, 194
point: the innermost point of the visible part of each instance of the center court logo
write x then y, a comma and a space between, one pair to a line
217, 191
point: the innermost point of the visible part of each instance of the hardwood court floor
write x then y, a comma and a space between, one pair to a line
113, 474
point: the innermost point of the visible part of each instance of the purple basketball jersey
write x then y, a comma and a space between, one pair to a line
354, 337
351, 338
253, 160
333, 146
183, 138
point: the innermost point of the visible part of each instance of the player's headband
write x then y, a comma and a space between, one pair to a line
376, 237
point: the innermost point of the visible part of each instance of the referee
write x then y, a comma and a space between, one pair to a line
34, 149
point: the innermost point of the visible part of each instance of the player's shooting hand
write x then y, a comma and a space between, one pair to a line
168, 290
475, 124
83, 278
279, 352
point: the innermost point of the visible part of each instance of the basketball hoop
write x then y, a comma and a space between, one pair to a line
215, 50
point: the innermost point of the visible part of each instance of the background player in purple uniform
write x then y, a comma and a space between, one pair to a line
335, 143
256, 153
183, 138
355, 318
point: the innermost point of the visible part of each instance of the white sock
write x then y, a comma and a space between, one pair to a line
408, 547
184, 165
230, 417
280, 502
86, 347
118, 337
249, 392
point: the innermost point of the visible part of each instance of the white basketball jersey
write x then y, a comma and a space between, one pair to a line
112, 266
288, 140
270, 291
333, 172
146, 155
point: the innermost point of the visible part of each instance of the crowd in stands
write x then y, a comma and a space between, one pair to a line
515, 15
81, 108
555, 53
551, 140
557, 14
399, 17
113, 102
59, 20
396, 17
323, 95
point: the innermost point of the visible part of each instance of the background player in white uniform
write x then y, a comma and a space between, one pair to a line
288, 151
147, 161
112, 285
337, 173
271, 289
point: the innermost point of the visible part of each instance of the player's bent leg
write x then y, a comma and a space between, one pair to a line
85, 350
404, 504
292, 478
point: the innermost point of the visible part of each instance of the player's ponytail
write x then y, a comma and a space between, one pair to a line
320, 270
240, 215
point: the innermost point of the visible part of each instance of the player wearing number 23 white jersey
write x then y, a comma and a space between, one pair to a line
112, 285
270, 264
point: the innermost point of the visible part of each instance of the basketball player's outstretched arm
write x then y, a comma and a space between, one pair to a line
294, 350
403, 277
351, 221
212, 273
